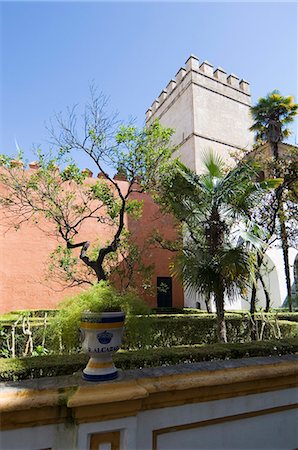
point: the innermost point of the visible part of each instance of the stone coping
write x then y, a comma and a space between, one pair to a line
76, 379
55, 400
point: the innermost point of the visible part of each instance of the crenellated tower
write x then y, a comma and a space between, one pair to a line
208, 109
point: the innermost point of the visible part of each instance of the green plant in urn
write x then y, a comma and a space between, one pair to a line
99, 313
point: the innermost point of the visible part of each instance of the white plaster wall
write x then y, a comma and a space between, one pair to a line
276, 256
220, 123
274, 278
204, 146
271, 279
252, 433
29, 438
186, 152
192, 298
266, 431
177, 110
177, 113
222, 118
233, 304
67, 437
277, 428
222, 88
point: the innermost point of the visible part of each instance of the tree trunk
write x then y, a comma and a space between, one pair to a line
100, 273
282, 223
267, 296
275, 154
207, 303
220, 313
253, 298
214, 237
285, 252
253, 331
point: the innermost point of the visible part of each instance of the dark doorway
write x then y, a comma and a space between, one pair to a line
164, 292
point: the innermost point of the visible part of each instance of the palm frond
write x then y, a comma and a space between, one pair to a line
213, 164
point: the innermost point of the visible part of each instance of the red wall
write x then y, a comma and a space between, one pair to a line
24, 257
153, 219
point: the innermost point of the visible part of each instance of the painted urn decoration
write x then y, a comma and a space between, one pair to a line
101, 335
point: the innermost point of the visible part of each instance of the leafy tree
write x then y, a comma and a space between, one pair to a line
69, 200
271, 116
215, 258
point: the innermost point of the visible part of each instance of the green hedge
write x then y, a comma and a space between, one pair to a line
292, 317
167, 331
173, 330
55, 365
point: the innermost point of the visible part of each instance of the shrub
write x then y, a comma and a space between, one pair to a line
100, 297
292, 317
288, 328
54, 365
157, 330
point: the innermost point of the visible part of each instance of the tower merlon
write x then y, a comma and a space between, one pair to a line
193, 78
192, 63
170, 86
220, 75
244, 86
207, 68
155, 105
87, 172
233, 81
34, 165
180, 74
148, 113
16, 163
162, 96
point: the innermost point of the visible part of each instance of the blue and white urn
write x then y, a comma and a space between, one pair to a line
101, 336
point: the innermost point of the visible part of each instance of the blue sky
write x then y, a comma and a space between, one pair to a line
52, 51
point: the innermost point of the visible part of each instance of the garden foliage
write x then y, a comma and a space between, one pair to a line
156, 330
54, 365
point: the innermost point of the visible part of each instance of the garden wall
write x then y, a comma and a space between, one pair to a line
24, 258
248, 403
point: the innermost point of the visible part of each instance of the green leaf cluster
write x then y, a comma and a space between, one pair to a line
73, 173
134, 208
143, 155
102, 191
100, 297
63, 258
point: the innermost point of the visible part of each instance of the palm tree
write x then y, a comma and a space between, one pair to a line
271, 116
215, 259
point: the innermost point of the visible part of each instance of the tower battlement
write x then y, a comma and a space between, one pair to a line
206, 76
208, 109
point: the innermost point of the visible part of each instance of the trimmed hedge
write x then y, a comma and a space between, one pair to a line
172, 330
167, 330
35, 312
14, 369
292, 317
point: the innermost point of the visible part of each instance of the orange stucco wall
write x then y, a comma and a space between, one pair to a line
24, 256
153, 219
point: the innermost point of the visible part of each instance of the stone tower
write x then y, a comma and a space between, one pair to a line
207, 109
